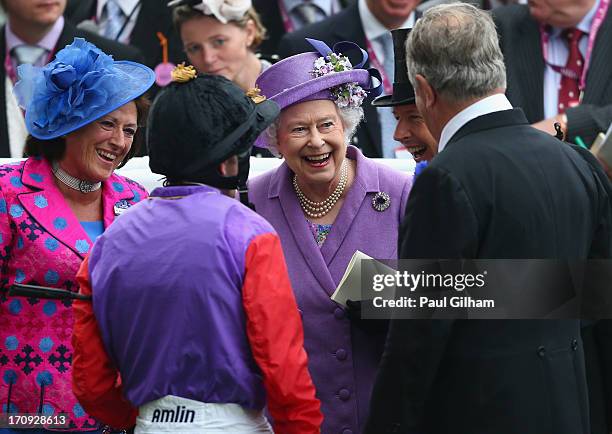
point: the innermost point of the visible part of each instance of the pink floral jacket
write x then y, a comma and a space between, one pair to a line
43, 243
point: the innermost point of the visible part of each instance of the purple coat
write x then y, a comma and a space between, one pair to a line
342, 358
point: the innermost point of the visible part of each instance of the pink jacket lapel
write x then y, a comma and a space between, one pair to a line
47, 206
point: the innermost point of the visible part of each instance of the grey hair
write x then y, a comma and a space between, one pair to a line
455, 47
350, 117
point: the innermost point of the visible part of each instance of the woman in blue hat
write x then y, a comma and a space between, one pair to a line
83, 111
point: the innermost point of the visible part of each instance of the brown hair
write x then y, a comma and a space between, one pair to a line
54, 149
182, 14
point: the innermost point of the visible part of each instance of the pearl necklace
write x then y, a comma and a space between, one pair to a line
74, 183
319, 209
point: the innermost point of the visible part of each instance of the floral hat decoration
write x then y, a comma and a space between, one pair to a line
223, 10
324, 74
79, 86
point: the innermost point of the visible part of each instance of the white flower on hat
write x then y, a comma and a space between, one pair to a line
225, 10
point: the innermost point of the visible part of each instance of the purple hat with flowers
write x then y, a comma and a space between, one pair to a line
79, 86
324, 74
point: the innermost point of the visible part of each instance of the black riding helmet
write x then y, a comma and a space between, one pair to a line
200, 121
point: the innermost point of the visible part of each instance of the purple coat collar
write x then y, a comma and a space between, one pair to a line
366, 181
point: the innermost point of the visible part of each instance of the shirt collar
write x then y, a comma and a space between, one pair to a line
585, 23
324, 5
490, 104
48, 42
374, 28
127, 6
182, 190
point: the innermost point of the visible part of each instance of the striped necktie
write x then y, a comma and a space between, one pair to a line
115, 18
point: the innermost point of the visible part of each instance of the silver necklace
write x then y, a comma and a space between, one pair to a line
75, 183
319, 209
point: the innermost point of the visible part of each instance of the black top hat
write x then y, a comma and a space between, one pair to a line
403, 92
197, 124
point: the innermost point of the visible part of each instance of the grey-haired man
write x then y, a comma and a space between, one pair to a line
498, 189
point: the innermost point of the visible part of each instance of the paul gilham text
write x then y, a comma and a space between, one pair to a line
410, 302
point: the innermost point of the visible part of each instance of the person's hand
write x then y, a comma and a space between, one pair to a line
548, 125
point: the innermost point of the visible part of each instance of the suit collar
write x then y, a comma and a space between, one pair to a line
490, 121
46, 204
481, 107
351, 28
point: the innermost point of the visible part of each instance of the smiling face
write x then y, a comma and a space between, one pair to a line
311, 139
216, 48
412, 132
94, 151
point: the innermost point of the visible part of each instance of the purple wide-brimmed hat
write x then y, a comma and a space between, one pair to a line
324, 74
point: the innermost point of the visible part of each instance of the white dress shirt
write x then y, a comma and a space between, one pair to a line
558, 53
490, 104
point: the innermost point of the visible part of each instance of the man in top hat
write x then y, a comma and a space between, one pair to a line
411, 130
219, 336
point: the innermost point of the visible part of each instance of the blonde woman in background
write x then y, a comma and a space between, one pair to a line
220, 38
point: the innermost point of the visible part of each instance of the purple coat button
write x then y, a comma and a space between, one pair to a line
341, 354
344, 394
339, 313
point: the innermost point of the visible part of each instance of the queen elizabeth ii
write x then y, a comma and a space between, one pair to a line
326, 201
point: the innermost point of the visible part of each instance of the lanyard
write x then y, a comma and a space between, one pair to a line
287, 22
598, 19
376, 64
10, 70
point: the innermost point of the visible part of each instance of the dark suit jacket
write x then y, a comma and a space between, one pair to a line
273, 22
501, 189
117, 50
520, 41
154, 16
344, 26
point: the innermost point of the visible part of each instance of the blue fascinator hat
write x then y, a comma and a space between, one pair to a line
79, 86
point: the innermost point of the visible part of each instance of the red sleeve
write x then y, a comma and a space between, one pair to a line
95, 381
274, 329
